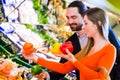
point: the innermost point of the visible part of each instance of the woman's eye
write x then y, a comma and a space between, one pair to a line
85, 23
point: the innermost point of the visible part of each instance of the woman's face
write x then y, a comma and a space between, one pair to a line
89, 27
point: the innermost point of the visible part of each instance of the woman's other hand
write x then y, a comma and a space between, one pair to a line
32, 57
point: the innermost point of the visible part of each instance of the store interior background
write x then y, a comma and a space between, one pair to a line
26, 28
111, 6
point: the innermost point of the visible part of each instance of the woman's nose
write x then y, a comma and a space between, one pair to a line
83, 26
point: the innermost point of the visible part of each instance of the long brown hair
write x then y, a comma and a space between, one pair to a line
85, 50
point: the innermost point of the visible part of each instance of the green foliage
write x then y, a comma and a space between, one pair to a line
36, 4
28, 26
41, 11
64, 4
42, 33
36, 69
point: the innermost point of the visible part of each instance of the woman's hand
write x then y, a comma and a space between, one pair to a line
69, 56
42, 75
32, 57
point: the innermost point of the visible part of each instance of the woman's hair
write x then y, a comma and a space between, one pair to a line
95, 15
81, 7
85, 50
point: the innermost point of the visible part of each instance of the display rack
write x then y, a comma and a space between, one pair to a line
22, 23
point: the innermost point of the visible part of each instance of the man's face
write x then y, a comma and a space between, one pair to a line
75, 20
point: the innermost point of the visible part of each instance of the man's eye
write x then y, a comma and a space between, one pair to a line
67, 17
74, 17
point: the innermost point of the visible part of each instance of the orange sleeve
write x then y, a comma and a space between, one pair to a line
55, 66
107, 59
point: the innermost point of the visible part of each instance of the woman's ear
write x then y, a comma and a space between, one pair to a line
99, 23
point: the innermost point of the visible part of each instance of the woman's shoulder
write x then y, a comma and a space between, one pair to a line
110, 47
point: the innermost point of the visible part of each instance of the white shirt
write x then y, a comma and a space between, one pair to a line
83, 40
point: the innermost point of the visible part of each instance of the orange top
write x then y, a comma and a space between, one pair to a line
87, 65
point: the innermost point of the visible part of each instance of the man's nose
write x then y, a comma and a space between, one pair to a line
70, 21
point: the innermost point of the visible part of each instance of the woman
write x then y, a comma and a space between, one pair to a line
91, 60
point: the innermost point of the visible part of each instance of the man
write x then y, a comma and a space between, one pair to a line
74, 15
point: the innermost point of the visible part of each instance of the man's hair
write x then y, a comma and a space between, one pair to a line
79, 4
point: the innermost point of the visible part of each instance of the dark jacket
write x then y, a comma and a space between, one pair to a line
115, 72
113, 38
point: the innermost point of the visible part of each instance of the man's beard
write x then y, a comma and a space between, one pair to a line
78, 27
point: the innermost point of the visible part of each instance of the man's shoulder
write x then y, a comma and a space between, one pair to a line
72, 37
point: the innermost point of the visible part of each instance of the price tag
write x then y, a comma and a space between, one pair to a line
71, 76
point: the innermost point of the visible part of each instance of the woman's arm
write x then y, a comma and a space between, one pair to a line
55, 66
107, 60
